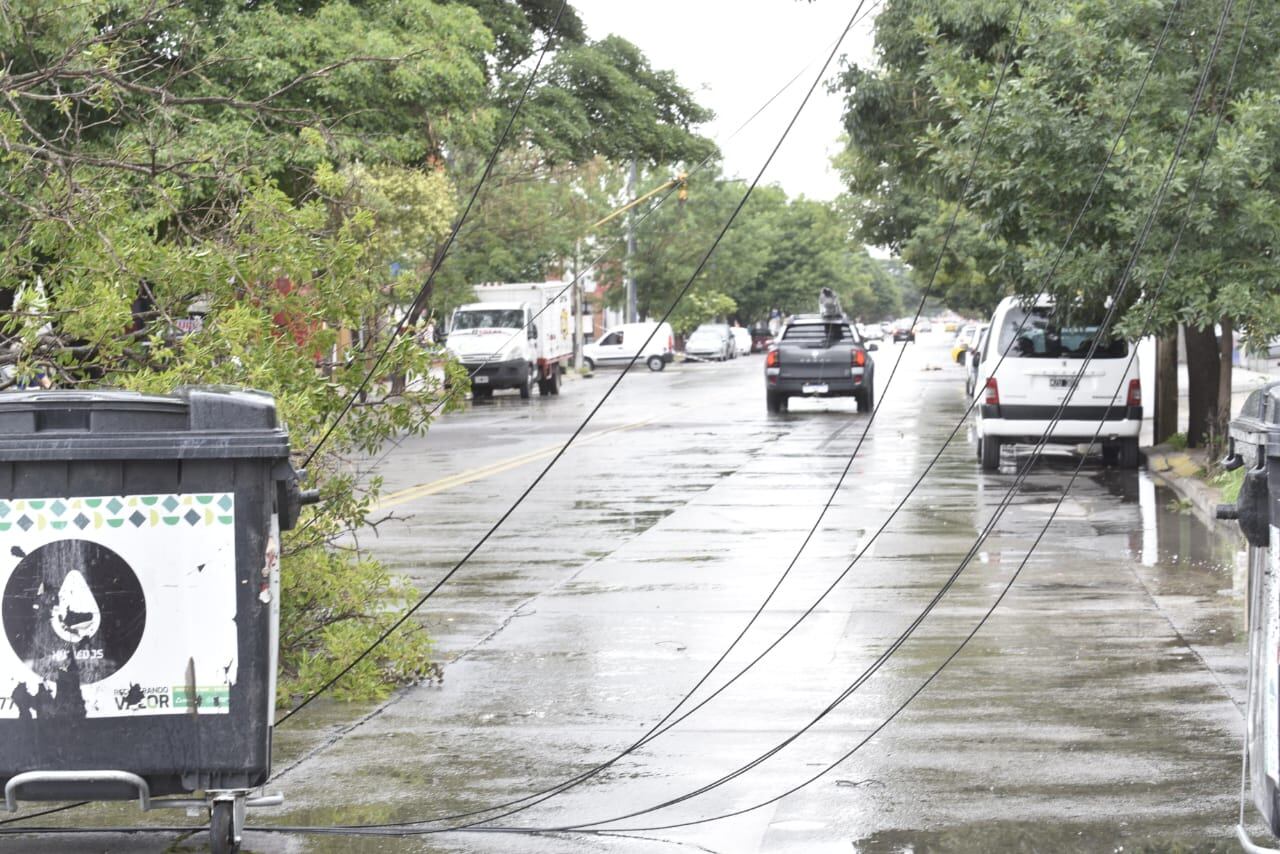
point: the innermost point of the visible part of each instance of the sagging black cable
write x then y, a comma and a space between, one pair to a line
1004, 505
659, 728
448, 243
1006, 500
595, 409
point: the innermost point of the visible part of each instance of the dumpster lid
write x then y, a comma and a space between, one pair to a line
196, 422
1259, 420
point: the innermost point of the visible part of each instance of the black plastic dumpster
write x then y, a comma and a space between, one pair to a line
1255, 445
139, 540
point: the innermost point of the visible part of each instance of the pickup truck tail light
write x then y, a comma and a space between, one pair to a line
858, 358
1135, 393
993, 393
771, 360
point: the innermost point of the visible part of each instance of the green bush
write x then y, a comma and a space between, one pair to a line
1228, 484
332, 608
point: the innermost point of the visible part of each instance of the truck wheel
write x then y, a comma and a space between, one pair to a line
588, 364
222, 839
527, 388
1128, 453
655, 363
990, 451
866, 398
775, 402
481, 392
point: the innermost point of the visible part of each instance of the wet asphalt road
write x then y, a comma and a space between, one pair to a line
1098, 709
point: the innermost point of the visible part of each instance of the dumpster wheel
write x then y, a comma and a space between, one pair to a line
224, 837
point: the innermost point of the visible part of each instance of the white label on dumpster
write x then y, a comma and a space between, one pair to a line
117, 605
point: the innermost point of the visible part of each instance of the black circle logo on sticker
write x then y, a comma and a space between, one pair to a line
73, 602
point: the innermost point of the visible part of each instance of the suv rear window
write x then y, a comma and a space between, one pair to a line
1040, 337
819, 334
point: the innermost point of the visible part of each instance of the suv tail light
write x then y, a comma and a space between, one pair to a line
1135, 393
857, 357
671, 344
993, 392
771, 360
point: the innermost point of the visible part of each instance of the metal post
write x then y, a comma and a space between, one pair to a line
577, 307
631, 248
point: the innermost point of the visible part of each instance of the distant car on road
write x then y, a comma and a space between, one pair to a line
761, 338
902, 331
711, 341
964, 340
617, 345
924, 326
741, 340
819, 356
870, 332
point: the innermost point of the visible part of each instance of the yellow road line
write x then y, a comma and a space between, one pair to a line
422, 490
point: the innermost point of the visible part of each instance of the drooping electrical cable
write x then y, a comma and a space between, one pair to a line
422, 600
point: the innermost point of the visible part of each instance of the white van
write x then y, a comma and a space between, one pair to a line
618, 345
1019, 399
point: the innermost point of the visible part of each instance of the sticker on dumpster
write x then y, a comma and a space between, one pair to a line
117, 605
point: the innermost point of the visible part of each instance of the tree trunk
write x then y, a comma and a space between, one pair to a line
1202, 384
1226, 343
1165, 394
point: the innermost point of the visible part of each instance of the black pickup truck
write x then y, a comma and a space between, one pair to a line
819, 355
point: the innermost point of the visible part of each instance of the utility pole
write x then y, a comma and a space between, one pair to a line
631, 248
577, 306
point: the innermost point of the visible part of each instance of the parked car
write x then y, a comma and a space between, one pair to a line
975, 354
819, 356
618, 345
741, 340
1020, 398
761, 338
711, 342
964, 340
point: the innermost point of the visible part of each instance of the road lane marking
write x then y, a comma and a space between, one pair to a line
422, 490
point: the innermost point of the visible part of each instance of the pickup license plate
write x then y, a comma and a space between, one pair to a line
1059, 382
480, 379
814, 388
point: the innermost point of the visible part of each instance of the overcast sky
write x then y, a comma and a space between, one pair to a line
734, 55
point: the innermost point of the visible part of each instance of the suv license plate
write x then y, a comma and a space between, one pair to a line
814, 388
1059, 382
480, 379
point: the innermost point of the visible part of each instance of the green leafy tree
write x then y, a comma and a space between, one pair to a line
1076, 71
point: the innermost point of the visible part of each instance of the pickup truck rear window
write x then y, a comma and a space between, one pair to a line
819, 335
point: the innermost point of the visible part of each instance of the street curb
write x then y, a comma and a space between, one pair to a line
1179, 470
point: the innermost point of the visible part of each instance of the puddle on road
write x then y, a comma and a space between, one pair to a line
1033, 838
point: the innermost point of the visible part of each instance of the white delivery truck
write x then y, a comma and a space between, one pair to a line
513, 336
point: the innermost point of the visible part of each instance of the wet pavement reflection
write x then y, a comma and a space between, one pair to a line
1098, 709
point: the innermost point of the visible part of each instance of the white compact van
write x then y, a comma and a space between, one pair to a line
1019, 399
618, 345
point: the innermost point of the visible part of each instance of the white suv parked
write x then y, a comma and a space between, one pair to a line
1019, 400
